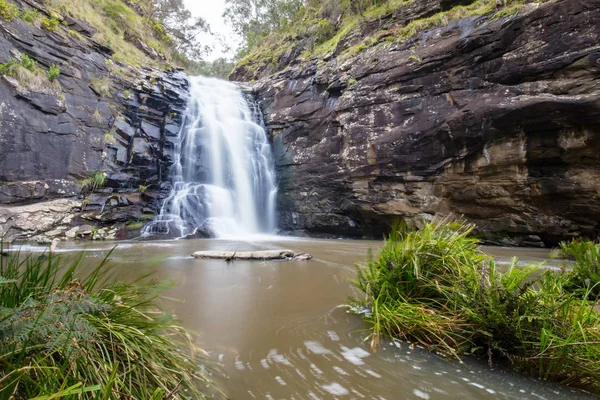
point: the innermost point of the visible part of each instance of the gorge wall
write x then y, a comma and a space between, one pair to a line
493, 117
100, 117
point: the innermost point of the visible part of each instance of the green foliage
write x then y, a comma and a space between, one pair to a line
436, 287
414, 58
135, 226
8, 11
351, 81
73, 33
26, 71
143, 188
102, 86
324, 31
254, 20
8, 68
509, 11
585, 276
165, 26
50, 24
95, 181
318, 29
28, 63
53, 72
220, 68
109, 138
65, 332
30, 16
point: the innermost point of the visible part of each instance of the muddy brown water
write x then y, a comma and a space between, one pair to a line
279, 332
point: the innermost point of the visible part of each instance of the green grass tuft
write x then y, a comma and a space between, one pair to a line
436, 287
95, 181
68, 333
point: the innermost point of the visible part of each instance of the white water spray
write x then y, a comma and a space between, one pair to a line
223, 178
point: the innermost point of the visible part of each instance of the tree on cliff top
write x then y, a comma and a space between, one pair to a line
177, 21
254, 20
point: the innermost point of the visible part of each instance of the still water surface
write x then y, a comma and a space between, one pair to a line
279, 332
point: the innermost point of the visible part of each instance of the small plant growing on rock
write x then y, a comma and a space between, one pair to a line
143, 188
50, 24
352, 81
95, 181
414, 58
8, 11
53, 72
30, 16
102, 86
109, 138
28, 62
75, 34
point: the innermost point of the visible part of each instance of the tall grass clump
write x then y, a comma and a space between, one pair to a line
94, 181
66, 333
584, 278
434, 286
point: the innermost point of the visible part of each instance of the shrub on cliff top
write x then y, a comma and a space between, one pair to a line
65, 333
436, 287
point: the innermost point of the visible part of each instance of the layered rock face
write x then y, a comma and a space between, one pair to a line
101, 117
494, 119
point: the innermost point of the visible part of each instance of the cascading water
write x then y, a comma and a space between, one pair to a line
223, 178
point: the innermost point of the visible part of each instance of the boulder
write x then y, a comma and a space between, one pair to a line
35, 220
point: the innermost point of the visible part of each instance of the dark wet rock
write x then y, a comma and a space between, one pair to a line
54, 136
496, 120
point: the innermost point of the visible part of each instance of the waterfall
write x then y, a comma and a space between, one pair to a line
223, 182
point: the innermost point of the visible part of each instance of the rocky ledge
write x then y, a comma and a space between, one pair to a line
494, 118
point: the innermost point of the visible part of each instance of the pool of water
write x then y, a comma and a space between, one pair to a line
279, 329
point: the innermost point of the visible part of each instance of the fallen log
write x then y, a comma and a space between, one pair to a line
252, 255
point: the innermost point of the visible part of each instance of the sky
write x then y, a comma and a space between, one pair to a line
212, 12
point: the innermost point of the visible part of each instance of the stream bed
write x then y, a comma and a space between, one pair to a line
279, 331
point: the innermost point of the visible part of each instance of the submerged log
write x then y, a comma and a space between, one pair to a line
252, 255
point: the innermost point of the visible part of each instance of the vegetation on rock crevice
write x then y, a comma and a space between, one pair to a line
436, 287
65, 333
27, 72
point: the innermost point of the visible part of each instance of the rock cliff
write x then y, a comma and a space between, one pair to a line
99, 118
493, 117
